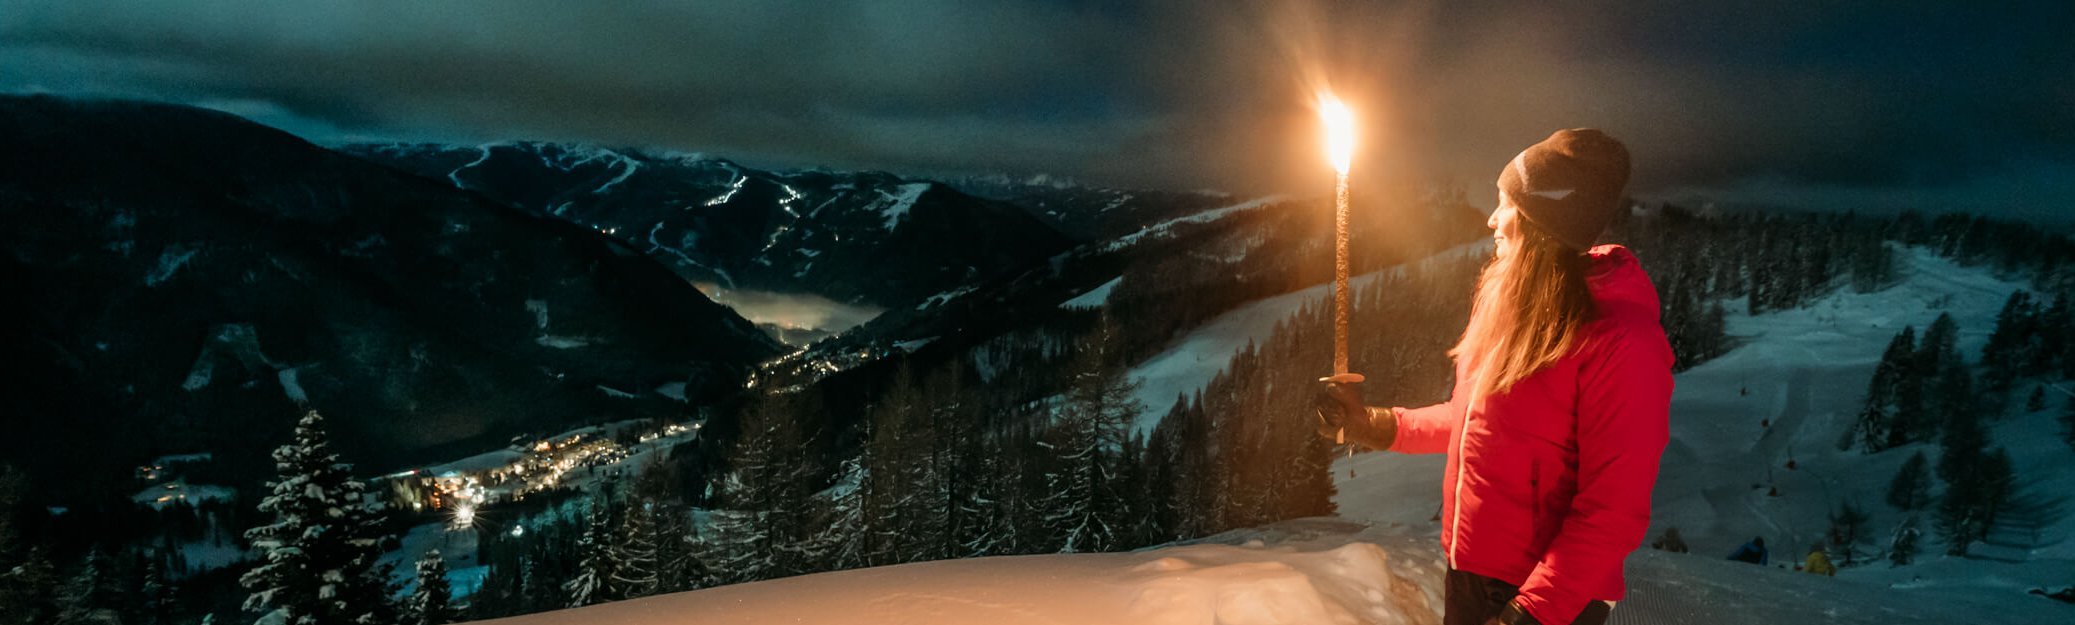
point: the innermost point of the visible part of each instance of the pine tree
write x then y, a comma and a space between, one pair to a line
637, 573
762, 533
1847, 525
1938, 352
2007, 349
1876, 427
1902, 546
985, 530
91, 595
1087, 431
429, 603
1998, 482
1961, 514
28, 590
155, 599
321, 555
843, 539
1911, 488
597, 567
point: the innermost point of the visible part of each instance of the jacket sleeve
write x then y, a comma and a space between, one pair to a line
1624, 420
1426, 430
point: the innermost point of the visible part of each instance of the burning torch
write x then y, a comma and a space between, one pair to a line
1340, 147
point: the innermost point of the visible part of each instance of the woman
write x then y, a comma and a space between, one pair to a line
1560, 409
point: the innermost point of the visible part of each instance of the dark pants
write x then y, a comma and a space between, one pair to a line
1473, 599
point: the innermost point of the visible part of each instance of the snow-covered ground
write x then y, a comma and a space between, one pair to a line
1801, 373
1306, 571
1094, 298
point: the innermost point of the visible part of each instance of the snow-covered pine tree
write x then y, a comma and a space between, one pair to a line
27, 589
1138, 521
950, 475
897, 479
589, 585
1872, 264
1197, 474
2010, 343
321, 555
1938, 354
761, 533
985, 530
90, 596
1911, 488
638, 573
1876, 427
155, 598
844, 536
1082, 508
677, 563
1998, 481
431, 597
1962, 456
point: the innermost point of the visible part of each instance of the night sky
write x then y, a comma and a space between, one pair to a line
1854, 105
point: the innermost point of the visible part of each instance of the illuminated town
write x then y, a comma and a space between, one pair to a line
571, 459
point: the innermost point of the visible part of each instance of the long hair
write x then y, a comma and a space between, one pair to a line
1529, 308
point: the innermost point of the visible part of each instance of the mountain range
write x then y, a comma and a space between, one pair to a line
181, 277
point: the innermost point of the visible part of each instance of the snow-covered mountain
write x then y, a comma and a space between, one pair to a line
1089, 212
181, 280
854, 237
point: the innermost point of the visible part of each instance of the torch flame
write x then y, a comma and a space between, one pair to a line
1340, 132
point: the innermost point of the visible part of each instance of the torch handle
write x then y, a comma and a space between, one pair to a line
1342, 301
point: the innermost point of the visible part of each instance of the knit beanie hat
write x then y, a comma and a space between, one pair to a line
1569, 184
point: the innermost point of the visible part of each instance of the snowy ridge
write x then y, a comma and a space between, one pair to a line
1094, 298
455, 175
1203, 217
631, 166
895, 205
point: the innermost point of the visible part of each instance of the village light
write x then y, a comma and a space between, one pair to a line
465, 515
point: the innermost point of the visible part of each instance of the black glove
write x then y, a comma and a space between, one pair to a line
1339, 406
1344, 418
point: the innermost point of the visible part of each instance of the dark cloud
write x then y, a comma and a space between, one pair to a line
1894, 102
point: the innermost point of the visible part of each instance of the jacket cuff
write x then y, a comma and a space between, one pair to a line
1516, 615
1546, 609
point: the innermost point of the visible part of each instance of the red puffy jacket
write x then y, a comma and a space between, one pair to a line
1548, 484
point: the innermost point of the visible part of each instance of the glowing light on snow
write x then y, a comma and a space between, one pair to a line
465, 515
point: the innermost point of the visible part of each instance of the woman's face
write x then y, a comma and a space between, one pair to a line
1505, 226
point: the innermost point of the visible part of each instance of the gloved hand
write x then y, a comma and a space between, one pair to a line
1343, 417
